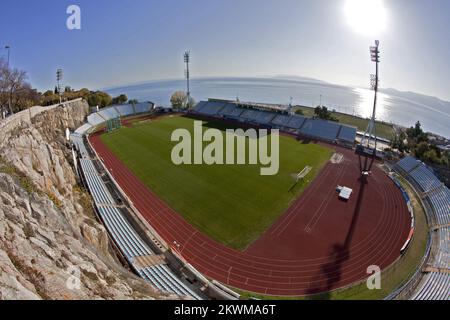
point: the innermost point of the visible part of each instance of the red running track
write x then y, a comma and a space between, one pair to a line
319, 244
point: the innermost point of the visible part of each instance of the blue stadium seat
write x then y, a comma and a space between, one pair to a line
211, 108
264, 117
295, 122
125, 110
227, 110
320, 128
425, 178
143, 107
95, 120
408, 163
83, 129
281, 120
250, 114
109, 113
199, 106
347, 134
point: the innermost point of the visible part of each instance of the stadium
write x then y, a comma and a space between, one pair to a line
226, 232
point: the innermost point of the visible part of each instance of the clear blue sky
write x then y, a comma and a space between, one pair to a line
125, 41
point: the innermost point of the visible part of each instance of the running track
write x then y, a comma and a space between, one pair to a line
319, 244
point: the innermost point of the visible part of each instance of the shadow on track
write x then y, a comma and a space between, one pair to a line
330, 273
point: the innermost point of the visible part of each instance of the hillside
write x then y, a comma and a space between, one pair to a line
49, 235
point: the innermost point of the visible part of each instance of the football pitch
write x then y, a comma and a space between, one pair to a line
232, 204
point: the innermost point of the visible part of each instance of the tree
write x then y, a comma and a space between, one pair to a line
120, 99
133, 101
323, 113
83, 93
177, 100
431, 156
3, 87
421, 149
99, 98
48, 93
25, 97
299, 112
12, 81
398, 142
416, 133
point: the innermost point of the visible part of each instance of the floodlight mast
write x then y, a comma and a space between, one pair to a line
367, 149
8, 48
59, 77
187, 59
370, 133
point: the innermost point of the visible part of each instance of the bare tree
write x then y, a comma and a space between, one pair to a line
12, 82
177, 99
3, 87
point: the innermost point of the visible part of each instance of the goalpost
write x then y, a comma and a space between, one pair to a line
302, 174
113, 124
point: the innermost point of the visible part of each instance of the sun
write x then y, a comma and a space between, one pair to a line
366, 17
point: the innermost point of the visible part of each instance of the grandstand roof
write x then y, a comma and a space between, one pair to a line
255, 105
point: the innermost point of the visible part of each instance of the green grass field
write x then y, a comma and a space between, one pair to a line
232, 204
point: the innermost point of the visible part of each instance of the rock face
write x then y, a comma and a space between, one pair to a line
51, 245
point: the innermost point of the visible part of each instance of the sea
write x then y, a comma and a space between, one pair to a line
403, 108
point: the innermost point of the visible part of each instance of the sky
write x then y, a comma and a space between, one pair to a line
123, 41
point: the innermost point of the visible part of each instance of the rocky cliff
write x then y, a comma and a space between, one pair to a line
51, 245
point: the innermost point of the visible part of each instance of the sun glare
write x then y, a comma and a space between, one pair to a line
367, 17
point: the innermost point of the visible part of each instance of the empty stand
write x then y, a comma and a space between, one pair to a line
436, 284
199, 106
109, 113
281, 120
442, 260
315, 128
125, 110
83, 129
143, 107
265, 118
130, 244
440, 200
250, 114
426, 180
296, 122
435, 287
408, 163
77, 140
230, 110
347, 134
95, 119
320, 128
211, 108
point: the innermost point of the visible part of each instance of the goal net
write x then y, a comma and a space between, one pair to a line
113, 124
